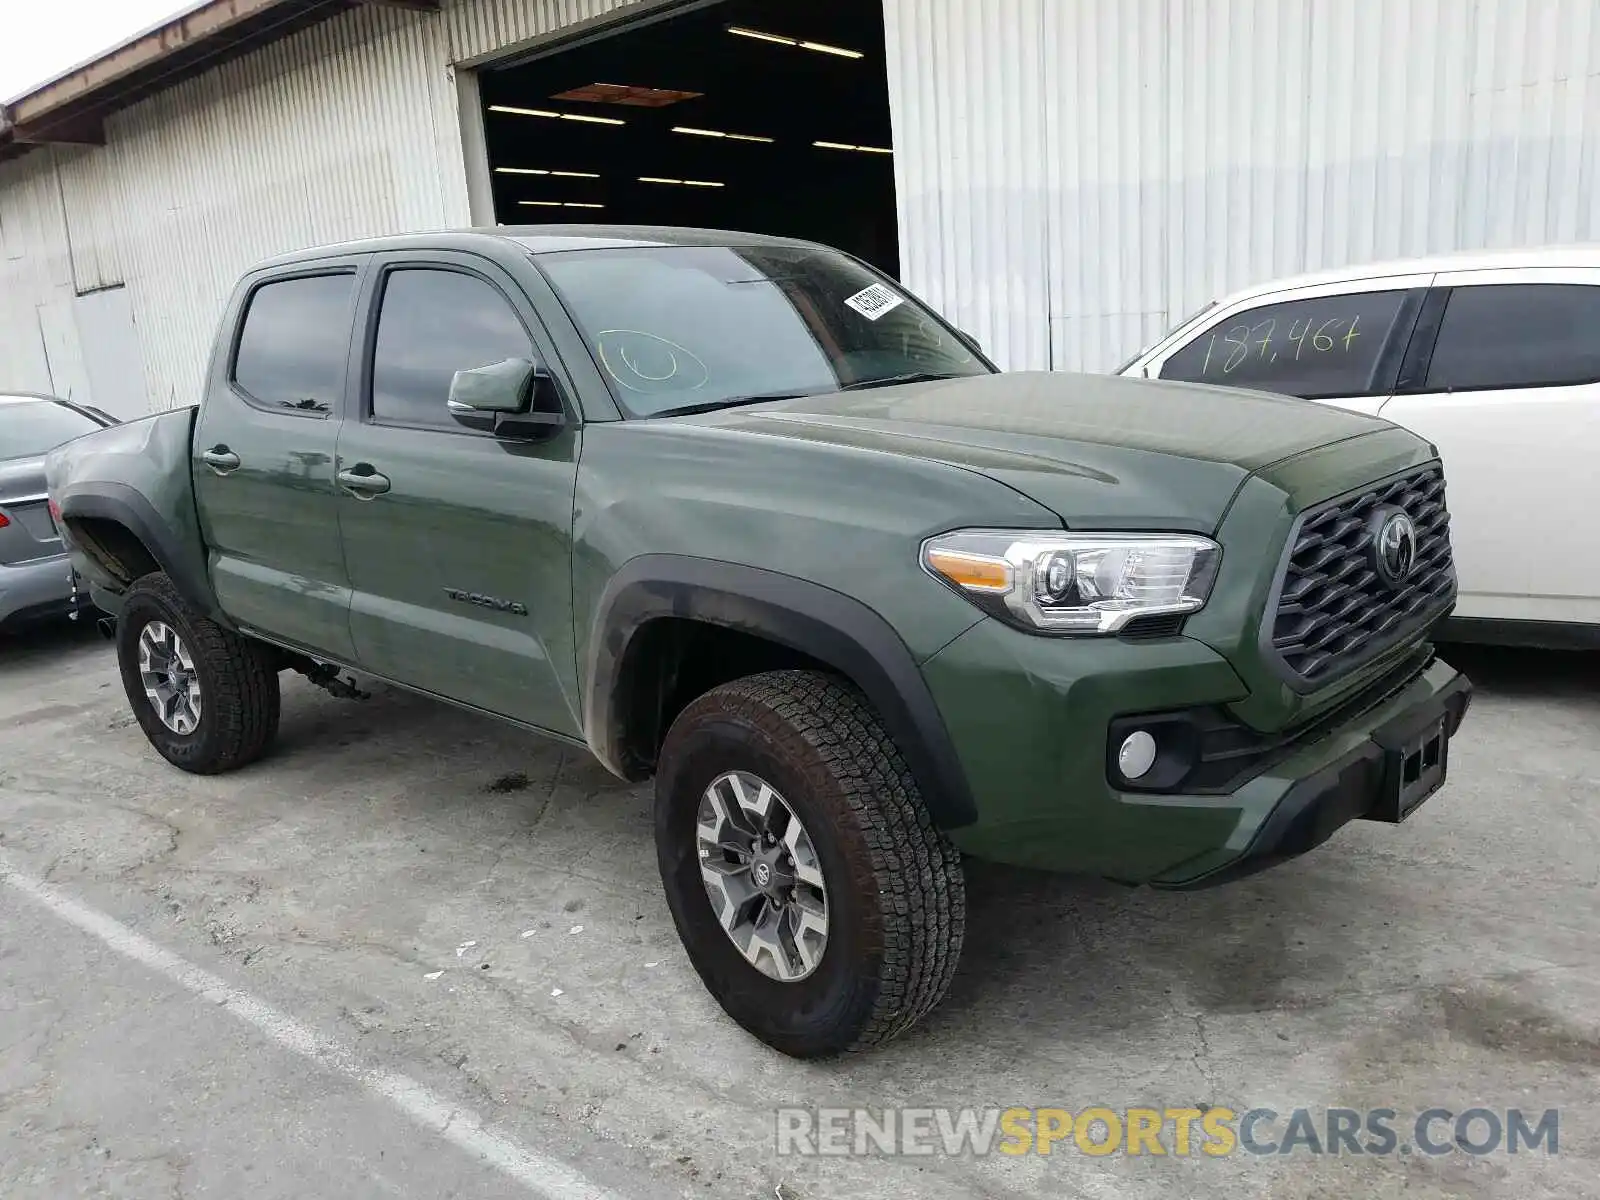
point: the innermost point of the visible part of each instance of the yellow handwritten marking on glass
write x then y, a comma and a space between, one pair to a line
1299, 339
1239, 338
1351, 336
649, 363
1272, 326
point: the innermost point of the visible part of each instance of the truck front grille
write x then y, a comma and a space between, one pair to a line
1336, 608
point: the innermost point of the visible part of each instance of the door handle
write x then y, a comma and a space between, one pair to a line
220, 459
363, 482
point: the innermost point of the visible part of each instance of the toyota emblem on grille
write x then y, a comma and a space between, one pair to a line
1394, 546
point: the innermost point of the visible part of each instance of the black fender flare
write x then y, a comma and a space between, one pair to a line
122, 504
827, 625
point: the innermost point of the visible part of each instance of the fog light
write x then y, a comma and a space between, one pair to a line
1136, 755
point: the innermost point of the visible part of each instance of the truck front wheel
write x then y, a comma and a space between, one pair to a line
205, 697
814, 896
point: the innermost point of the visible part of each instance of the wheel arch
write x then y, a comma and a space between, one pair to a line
812, 623
116, 535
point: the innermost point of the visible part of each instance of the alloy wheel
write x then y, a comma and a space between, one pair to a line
168, 675
762, 876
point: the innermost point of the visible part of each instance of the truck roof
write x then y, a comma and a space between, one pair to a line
540, 239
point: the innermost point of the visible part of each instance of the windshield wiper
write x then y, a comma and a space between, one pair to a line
731, 402
891, 380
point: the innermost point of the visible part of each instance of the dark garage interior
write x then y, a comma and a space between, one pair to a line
756, 115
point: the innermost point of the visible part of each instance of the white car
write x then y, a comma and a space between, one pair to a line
1492, 356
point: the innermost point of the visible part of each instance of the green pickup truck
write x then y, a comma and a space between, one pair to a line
741, 515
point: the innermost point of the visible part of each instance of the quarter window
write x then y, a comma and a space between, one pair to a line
292, 348
434, 323
1517, 335
1323, 346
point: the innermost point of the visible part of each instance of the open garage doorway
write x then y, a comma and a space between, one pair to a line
770, 116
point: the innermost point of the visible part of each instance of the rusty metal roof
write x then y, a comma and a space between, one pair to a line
72, 107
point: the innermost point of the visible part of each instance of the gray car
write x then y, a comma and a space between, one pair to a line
35, 578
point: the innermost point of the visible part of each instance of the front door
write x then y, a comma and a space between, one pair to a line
263, 458
460, 555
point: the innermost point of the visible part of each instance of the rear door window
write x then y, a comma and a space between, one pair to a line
294, 341
1517, 335
1342, 345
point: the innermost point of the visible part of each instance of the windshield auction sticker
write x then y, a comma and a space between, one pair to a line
872, 302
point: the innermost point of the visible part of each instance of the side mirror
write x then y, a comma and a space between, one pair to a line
500, 387
972, 342
515, 399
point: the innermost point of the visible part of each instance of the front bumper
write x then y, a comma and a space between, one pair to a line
1029, 718
1352, 785
41, 588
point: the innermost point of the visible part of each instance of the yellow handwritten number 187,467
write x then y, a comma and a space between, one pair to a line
1240, 340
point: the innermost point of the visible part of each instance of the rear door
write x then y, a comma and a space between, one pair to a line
1339, 343
263, 456
1511, 396
461, 557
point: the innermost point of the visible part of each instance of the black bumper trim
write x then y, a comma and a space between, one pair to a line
1312, 810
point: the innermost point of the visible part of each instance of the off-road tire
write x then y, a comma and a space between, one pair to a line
238, 683
896, 894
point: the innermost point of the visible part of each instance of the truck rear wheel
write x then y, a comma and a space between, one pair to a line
206, 697
814, 896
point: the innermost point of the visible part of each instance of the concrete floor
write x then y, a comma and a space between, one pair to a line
1447, 962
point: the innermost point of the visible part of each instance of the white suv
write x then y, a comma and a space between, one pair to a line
1492, 356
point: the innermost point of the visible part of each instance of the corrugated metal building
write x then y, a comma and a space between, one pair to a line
1070, 176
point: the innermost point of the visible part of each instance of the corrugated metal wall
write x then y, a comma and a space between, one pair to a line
1075, 175
349, 129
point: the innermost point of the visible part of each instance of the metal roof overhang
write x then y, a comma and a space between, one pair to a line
72, 107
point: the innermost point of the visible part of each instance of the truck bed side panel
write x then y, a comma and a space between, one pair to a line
136, 476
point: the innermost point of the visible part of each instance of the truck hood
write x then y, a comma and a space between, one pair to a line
1099, 451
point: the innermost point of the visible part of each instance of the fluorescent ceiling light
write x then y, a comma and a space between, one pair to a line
819, 47
717, 133
680, 182
557, 204
555, 116
540, 171
849, 146
765, 37
824, 48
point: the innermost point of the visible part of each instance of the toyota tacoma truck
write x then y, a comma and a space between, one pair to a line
741, 515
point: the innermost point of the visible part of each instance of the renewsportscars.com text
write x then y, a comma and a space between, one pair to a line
1215, 1132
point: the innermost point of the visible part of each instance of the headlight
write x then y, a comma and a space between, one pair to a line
1085, 583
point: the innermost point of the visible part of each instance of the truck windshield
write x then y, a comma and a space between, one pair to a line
29, 428
692, 328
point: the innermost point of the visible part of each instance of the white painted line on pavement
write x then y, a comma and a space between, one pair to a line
461, 1127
